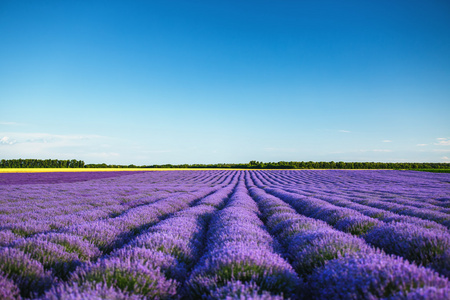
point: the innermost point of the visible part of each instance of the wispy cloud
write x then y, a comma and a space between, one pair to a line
11, 123
47, 145
47, 138
387, 141
443, 142
381, 150
421, 145
7, 141
344, 131
445, 159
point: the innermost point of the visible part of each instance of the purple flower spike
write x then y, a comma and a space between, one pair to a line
131, 276
52, 256
8, 290
370, 276
414, 243
88, 291
28, 274
237, 290
6, 237
313, 248
73, 244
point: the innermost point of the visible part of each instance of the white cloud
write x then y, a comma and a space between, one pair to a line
421, 145
382, 150
344, 131
47, 138
443, 142
7, 141
46, 145
387, 141
445, 159
11, 123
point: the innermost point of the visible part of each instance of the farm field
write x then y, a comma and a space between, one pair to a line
225, 234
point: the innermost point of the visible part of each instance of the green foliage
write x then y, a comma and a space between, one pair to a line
315, 165
41, 163
55, 163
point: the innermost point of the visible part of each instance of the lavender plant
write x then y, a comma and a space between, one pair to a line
219, 234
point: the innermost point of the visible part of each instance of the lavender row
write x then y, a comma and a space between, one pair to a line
34, 264
110, 233
377, 209
377, 213
155, 264
241, 259
411, 191
106, 234
41, 197
54, 258
184, 244
49, 223
336, 265
57, 177
333, 194
48, 202
104, 207
422, 246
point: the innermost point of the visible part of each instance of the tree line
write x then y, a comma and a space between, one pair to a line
41, 163
312, 165
57, 163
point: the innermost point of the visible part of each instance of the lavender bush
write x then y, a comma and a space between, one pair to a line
287, 234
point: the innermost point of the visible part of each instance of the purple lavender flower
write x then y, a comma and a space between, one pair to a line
239, 262
73, 244
167, 263
168, 235
369, 276
6, 237
409, 241
99, 233
240, 249
8, 290
133, 276
428, 293
237, 290
52, 256
357, 225
312, 249
169, 244
442, 263
88, 291
28, 274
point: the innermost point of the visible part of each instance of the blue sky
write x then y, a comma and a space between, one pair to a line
153, 82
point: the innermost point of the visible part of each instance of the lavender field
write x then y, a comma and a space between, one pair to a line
309, 234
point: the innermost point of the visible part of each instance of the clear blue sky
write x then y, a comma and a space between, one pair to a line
152, 82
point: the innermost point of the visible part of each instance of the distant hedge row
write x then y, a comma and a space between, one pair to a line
315, 165
41, 163
56, 163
